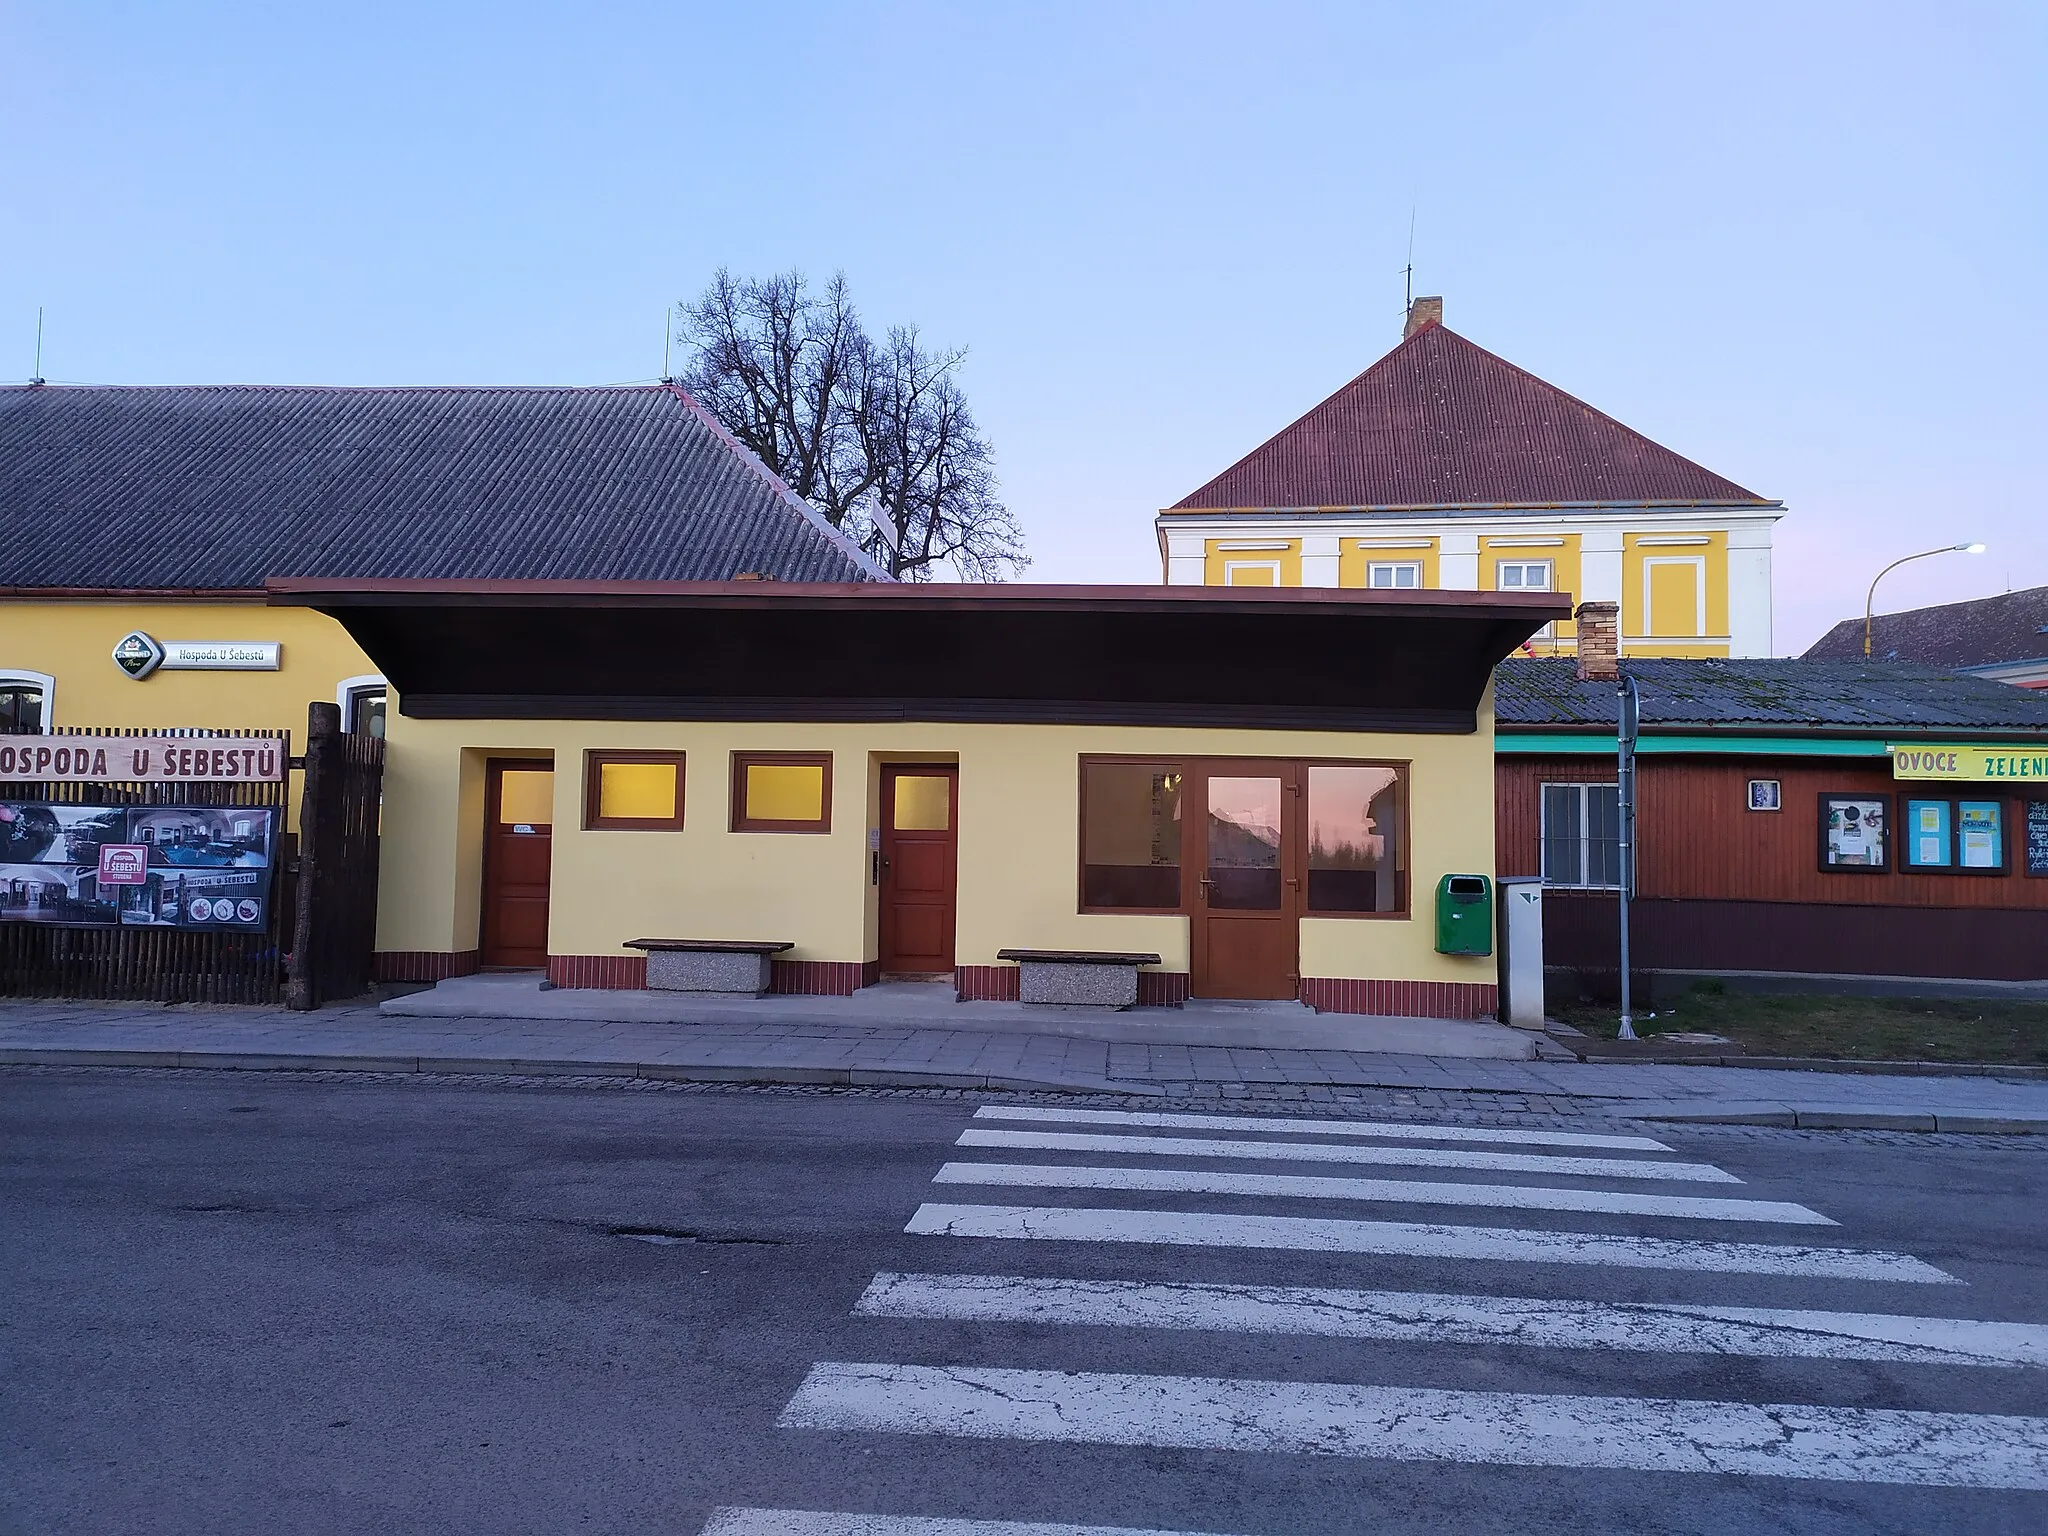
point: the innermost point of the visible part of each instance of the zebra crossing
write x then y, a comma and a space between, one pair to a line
1508, 1173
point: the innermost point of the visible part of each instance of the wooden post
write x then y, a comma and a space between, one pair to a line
323, 739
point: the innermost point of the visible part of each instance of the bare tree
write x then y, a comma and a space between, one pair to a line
877, 437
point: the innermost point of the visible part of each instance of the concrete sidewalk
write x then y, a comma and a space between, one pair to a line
904, 1052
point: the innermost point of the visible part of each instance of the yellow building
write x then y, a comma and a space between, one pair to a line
142, 523
911, 780
1444, 467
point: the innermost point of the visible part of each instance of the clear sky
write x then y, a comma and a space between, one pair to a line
1802, 244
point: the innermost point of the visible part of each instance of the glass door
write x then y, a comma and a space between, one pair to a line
1246, 901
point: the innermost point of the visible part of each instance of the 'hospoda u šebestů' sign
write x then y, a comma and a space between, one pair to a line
156, 759
1973, 765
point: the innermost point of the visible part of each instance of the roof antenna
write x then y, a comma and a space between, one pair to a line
37, 376
668, 326
1408, 272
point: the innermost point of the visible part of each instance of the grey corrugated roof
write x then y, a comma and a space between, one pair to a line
2012, 626
220, 487
1772, 695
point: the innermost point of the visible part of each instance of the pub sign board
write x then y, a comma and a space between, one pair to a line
159, 866
146, 759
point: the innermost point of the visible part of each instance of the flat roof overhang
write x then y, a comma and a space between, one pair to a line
1294, 658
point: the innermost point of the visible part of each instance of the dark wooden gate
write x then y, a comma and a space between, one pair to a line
335, 899
153, 964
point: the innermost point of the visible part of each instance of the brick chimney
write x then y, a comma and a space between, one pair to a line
1599, 642
1423, 313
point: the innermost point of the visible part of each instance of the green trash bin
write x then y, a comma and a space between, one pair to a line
1464, 915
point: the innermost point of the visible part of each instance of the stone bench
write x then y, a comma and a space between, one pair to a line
1085, 978
732, 966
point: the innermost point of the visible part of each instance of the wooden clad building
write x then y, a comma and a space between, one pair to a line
1793, 817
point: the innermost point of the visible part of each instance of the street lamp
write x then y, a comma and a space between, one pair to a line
1870, 599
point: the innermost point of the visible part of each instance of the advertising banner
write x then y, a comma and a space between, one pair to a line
158, 759
1970, 764
177, 866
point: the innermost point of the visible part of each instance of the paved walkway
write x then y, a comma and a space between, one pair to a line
780, 1047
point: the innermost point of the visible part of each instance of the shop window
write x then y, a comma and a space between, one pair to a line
1130, 836
1357, 838
1959, 836
1397, 574
25, 702
633, 791
1582, 836
1855, 833
781, 792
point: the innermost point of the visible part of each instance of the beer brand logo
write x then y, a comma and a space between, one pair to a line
138, 654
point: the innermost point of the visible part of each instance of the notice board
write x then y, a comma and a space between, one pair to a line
2037, 837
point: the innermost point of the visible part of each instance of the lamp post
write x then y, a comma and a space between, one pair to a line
1870, 600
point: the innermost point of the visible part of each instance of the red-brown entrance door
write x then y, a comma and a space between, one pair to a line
519, 814
920, 861
1247, 886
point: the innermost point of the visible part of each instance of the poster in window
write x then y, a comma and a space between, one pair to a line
2037, 837
1980, 834
1855, 832
198, 866
1928, 835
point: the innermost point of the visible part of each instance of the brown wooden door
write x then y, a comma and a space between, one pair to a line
920, 863
1244, 867
518, 852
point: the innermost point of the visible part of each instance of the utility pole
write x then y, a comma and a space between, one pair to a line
1628, 712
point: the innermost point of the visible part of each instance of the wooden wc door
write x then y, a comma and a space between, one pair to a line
920, 862
519, 814
1246, 899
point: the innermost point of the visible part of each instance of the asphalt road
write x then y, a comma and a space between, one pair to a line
255, 1303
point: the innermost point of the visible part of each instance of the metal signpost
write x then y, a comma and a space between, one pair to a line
1628, 711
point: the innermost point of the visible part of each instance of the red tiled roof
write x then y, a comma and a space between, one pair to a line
1440, 422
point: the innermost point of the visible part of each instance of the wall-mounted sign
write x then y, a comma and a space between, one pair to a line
159, 759
1763, 795
1969, 764
2037, 837
156, 866
140, 654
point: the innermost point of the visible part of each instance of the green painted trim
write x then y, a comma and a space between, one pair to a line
1576, 743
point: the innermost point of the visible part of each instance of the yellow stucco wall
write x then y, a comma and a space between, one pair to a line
1655, 633
73, 642
1018, 840
1562, 551
1354, 559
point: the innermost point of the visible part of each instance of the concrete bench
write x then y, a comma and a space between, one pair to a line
1086, 978
732, 966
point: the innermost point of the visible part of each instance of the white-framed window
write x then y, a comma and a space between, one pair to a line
1582, 836
25, 699
1521, 575
1400, 574
362, 703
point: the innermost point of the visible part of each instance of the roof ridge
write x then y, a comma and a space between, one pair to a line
342, 389
776, 483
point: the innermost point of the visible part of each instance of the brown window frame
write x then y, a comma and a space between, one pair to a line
1404, 776
742, 761
1182, 763
594, 760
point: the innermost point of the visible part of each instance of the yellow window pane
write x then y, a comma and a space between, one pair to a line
785, 792
526, 797
642, 791
1674, 598
1254, 576
923, 804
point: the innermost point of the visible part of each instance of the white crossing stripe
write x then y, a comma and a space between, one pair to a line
1274, 1125
1425, 1318
1864, 1445
1211, 1229
809, 1522
1401, 1191
1302, 1152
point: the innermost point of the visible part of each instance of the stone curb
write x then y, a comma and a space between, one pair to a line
1819, 1064
1853, 1120
491, 1066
